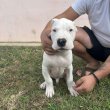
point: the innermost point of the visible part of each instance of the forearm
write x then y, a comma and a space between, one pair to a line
69, 14
104, 70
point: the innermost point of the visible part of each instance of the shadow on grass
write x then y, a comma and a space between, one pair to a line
20, 77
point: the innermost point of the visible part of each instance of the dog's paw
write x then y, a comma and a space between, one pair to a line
49, 92
71, 89
57, 80
43, 85
73, 92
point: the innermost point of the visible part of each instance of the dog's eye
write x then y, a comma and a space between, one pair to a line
71, 30
54, 30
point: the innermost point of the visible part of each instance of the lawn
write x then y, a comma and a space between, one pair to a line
20, 77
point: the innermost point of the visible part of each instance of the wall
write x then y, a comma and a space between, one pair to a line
23, 20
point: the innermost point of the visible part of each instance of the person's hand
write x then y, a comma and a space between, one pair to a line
85, 84
46, 41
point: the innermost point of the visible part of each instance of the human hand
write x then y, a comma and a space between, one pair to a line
46, 41
85, 84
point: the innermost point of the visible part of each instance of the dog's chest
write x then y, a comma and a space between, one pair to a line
58, 60
56, 72
57, 64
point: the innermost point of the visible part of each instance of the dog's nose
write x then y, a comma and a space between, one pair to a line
61, 42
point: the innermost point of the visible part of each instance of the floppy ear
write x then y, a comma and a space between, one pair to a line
75, 28
54, 20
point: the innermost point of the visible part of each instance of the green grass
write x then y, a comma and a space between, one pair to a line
20, 77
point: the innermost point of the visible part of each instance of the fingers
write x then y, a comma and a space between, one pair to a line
50, 51
80, 89
79, 86
49, 38
47, 43
46, 40
79, 82
47, 47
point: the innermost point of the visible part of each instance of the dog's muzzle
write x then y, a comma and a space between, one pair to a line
61, 42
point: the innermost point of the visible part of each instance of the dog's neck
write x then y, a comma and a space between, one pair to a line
63, 52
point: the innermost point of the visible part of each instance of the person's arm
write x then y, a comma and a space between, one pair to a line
69, 14
87, 83
104, 70
46, 42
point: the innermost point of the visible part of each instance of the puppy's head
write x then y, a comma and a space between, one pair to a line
62, 34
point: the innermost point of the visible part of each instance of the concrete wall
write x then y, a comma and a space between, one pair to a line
23, 20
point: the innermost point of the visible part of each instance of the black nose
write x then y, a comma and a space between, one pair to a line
61, 42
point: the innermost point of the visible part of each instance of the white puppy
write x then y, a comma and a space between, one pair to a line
55, 66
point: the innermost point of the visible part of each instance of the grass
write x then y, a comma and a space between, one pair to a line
20, 77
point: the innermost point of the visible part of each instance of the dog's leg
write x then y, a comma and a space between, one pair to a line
70, 82
48, 82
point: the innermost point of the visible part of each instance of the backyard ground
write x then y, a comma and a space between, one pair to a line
20, 77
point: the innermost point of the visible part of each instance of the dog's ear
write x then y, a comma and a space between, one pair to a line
54, 20
75, 28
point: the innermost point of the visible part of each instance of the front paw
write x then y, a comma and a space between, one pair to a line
71, 89
73, 92
49, 91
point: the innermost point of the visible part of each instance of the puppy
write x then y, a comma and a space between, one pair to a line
55, 66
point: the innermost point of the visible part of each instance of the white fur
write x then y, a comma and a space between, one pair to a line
54, 66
